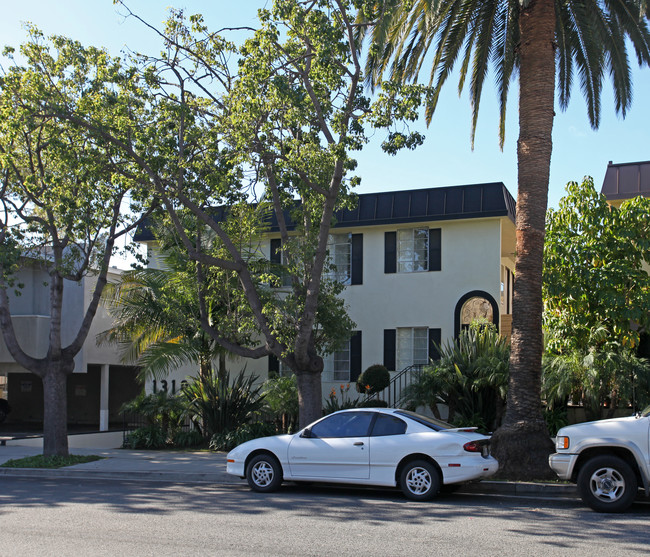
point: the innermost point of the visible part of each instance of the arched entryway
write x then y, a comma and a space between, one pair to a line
474, 305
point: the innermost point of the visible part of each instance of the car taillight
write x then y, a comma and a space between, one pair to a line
473, 447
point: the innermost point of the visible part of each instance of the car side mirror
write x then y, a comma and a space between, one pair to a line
306, 433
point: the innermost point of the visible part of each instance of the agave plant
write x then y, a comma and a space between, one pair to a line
219, 405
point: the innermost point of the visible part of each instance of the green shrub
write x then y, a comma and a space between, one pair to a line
470, 378
148, 437
159, 409
190, 438
556, 419
228, 440
281, 397
375, 379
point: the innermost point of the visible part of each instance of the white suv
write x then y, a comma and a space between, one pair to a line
608, 460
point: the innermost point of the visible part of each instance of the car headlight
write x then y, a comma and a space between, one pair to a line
561, 442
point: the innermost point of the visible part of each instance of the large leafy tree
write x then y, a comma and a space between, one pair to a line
596, 295
544, 42
63, 202
279, 131
596, 283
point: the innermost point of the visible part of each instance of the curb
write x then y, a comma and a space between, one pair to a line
520, 489
131, 475
477, 488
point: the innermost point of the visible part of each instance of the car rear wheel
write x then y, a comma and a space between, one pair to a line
420, 480
264, 473
607, 484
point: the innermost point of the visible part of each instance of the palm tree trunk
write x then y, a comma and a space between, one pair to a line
522, 444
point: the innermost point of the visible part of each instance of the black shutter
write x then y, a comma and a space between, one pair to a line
390, 252
274, 365
390, 338
435, 249
276, 256
355, 356
435, 338
357, 259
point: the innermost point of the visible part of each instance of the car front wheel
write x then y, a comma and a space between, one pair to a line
607, 484
420, 480
264, 473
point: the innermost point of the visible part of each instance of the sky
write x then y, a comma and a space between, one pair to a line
446, 157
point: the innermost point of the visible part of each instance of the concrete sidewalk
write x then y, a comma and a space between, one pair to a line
208, 467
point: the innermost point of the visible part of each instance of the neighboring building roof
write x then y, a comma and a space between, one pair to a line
396, 207
626, 180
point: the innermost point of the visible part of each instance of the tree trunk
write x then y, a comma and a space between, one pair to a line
310, 397
55, 412
522, 444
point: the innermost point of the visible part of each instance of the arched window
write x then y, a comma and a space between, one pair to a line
476, 308
475, 305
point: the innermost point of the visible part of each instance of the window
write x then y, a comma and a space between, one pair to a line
388, 425
412, 347
347, 424
338, 364
476, 309
345, 364
412, 250
340, 257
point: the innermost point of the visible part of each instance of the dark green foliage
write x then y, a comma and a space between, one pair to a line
159, 409
556, 418
471, 379
228, 440
375, 379
281, 397
221, 406
190, 438
148, 437
602, 381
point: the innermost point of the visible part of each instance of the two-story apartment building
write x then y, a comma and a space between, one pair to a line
418, 265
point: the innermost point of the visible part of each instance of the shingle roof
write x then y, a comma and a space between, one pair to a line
626, 180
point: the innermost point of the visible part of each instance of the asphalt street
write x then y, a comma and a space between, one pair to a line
94, 517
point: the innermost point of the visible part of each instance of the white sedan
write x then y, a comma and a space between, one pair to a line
368, 446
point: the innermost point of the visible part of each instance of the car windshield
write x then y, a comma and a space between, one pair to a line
646, 412
433, 423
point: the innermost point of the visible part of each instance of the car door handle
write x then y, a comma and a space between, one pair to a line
358, 444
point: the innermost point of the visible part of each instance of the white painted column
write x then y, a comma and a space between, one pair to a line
103, 399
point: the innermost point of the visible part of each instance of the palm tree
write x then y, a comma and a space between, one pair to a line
536, 39
156, 315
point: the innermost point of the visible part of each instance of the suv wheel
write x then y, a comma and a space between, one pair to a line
607, 484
